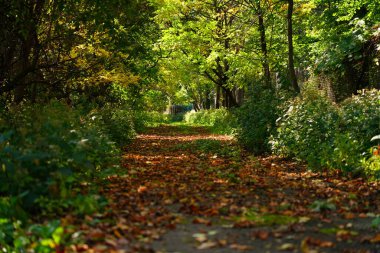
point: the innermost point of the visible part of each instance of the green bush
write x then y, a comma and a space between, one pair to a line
361, 117
257, 119
118, 123
143, 119
47, 150
49, 237
360, 120
371, 165
307, 129
325, 135
220, 120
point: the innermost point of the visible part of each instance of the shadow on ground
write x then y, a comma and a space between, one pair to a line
186, 190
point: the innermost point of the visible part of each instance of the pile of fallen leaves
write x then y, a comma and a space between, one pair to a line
186, 182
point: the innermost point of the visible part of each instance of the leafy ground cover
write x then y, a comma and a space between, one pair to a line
181, 192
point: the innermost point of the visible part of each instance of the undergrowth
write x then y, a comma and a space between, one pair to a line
221, 121
52, 159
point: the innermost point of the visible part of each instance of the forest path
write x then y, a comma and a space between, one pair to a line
186, 190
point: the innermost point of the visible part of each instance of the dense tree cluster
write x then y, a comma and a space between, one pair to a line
205, 52
216, 49
62, 49
79, 79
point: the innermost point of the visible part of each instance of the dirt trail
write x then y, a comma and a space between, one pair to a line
186, 190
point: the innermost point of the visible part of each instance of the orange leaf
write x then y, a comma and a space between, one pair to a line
375, 239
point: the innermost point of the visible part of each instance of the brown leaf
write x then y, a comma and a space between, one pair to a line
318, 242
262, 235
202, 221
349, 215
244, 224
117, 233
96, 234
287, 246
207, 245
142, 189
81, 248
240, 247
222, 242
111, 242
375, 239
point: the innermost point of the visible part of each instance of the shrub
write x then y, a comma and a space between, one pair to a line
360, 121
143, 119
307, 130
48, 237
257, 120
325, 135
371, 165
47, 150
220, 120
361, 117
118, 123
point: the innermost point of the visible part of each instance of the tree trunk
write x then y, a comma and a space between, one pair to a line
292, 72
239, 94
217, 97
263, 44
29, 50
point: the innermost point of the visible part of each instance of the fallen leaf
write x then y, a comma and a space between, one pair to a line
96, 235
345, 234
318, 242
287, 246
304, 246
207, 245
244, 224
142, 189
349, 215
375, 239
202, 221
222, 242
303, 219
81, 248
262, 235
200, 237
111, 242
240, 247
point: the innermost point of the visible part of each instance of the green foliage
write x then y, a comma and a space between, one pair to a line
77, 204
42, 238
267, 219
220, 120
360, 120
11, 207
307, 129
47, 150
325, 135
257, 119
322, 205
376, 223
118, 123
98, 44
178, 117
49, 155
143, 119
347, 152
207, 146
361, 117
155, 100
371, 165
341, 40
